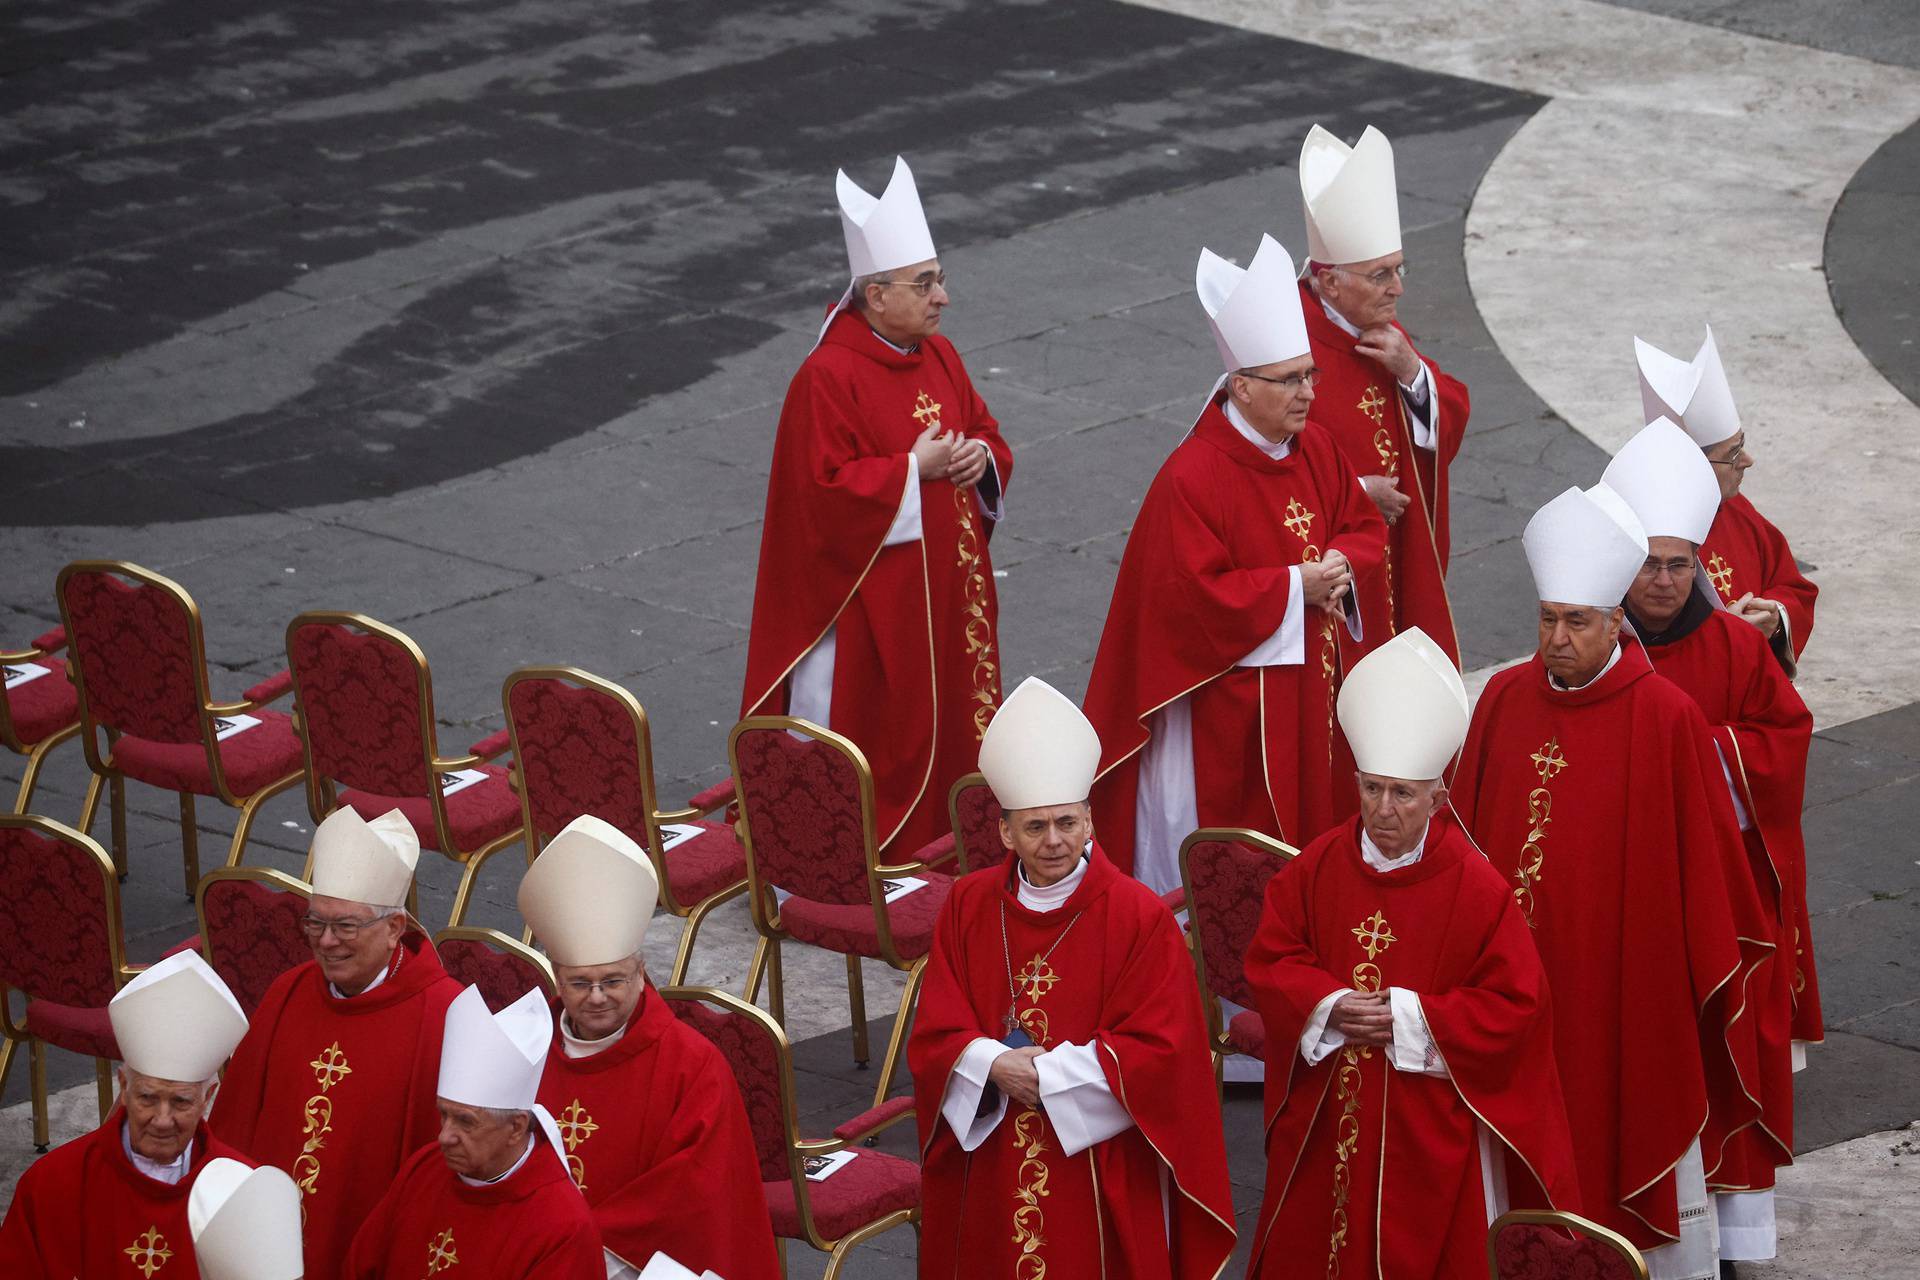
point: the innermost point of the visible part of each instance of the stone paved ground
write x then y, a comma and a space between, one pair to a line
476, 319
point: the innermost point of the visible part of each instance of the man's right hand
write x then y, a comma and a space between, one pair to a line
934, 448
1363, 1017
1014, 1074
1325, 583
1386, 495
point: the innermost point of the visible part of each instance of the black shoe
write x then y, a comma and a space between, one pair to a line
1727, 1272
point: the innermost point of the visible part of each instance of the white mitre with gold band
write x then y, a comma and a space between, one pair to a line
1403, 709
245, 1223
1352, 202
1584, 548
1662, 474
887, 231
1692, 393
1254, 312
177, 1020
1040, 750
360, 861
590, 895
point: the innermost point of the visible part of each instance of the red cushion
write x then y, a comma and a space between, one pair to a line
871, 1185
851, 931
44, 705
252, 758
476, 815
706, 864
1229, 889
1531, 1251
72, 1027
1248, 1034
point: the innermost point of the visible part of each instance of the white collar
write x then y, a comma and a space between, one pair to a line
1554, 680
1050, 897
574, 1047
1352, 331
1253, 437
488, 1182
378, 978
170, 1173
905, 351
1370, 852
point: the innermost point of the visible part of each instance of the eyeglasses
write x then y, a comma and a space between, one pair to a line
1675, 569
1378, 279
615, 987
345, 930
922, 286
1293, 382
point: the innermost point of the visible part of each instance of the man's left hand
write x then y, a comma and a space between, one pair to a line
1390, 347
1760, 611
969, 463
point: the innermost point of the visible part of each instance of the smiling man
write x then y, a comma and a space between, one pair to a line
334, 1083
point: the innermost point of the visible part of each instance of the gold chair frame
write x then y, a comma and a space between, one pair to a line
1572, 1222
37, 753
960, 787
1217, 1043
503, 942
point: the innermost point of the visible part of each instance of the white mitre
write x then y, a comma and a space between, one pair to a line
1584, 548
245, 1223
1694, 393
884, 233
360, 861
177, 1020
1039, 750
1352, 203
589, 896
492, 1059
1403, 709
1668, 482
1254, 313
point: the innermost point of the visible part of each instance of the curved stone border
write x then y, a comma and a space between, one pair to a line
1873, 260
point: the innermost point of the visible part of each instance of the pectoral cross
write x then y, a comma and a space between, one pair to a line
926, 411
1722, 575
1373, 404
1299, 519
149, 1252
1548, 760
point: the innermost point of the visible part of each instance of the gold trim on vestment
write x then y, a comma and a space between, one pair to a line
1548, 761
1427, 503
1374, 935
1173, 1174
148, 1252
330, 1067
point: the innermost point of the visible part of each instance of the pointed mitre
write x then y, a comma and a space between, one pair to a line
1403, 709
360, 861
590, 894
177, 1020
492, 1059
884, 233
662, 1267
245, 1222
1584, 548
1668, 482
1694, 394
1254, 313
1039, 750
1352, 204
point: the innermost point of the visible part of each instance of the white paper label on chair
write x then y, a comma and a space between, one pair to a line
460, 780
898, 889
225, 727
675, 834
820, 1168
17, 676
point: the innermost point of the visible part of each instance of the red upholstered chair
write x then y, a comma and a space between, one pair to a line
139, 663
503, 968
1223, 876
807, 818
39, 713
1541, 1244
871, 1193
367, 724
975, 814
62, 947
250, 928
581, 745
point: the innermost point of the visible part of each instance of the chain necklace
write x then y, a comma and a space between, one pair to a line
1012, 1020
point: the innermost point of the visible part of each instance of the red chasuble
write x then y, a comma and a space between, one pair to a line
1202, 584
648, 1121
1109, 967
1359, 403
917, 665
531, 1225
1744, 552
1372, 1170
1605, 809
83, 1210
340, 1092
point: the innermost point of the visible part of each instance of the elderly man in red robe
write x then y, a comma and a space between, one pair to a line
1762, 731
1395, 965
1068, 1122
492, 1197
1592, 785
334, 1083
113, 1204
1398, 419
1747, 559
647, 1108
1213, 687
245, 1223
874, 613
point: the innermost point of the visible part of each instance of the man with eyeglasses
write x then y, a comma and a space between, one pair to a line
1247, 569
1397, 417
647, 1107
1763, 732
335, 1081
874, 612
1747, 559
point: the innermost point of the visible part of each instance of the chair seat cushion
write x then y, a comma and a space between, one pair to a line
850, 929
1247, 1033
251, 758
43, 705
706, 864
74, 1028
870, 1186
476, 815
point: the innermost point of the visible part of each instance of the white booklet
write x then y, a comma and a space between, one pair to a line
900, 888
460, 779
20, 674
820, 1168
675, 834
225, 727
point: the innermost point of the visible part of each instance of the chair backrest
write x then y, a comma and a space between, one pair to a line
1543, 1244
580, 746
366, 704
756, 1048
975, 813
503, 968
250, 928
138, 656
806, 797
60, 928
1225, 871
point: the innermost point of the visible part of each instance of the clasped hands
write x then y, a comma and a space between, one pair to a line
1014, 1074
1325, 582
1363, 1017
1760, 611
950, 455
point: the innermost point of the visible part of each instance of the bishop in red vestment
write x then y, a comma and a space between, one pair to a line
1067, 1113
1213, 686
874, 611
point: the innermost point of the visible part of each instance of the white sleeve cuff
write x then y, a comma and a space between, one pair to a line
965, 1087
1078, 1099
1316, 1042
1413, 1047
993, 503
906, 521
1423, 409
1739, 810
1287, 646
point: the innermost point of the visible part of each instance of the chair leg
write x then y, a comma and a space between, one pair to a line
902, 1021
756, 970
189, 843
776, 985
118, 803
103, 1081
91, 806
7, 1044
464, 893
251, 810
846, 1244
37, 1058
23, 802
780, 1252
857, 1000
688, 932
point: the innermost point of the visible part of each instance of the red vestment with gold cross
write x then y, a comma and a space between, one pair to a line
1745, 552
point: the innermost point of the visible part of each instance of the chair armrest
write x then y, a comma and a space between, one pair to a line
492, 745
874, 1119
717, 796
942, 848
1176, 900
54, 639
276, 686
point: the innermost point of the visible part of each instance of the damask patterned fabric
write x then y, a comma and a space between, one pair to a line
360, 697
1531, 1251
871, 1185
475, 814
43, 706
802, 803
501, 976
977, 816
73, 1028
133, 647
251, 758
755, 1059
253, 935
851, 930
706, 864
55, 935
1248, 1034
578, 753
1229, 885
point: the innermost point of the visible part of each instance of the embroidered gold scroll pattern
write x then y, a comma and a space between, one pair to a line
1300, 520
575, 1127
1389, 467
329, 1069
149, 1252
1722, 575
976, 590
1035, 978
440, 1254
1375, 936
1547, 761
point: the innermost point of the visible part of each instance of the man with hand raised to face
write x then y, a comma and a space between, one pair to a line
1068, 1117
647, 1107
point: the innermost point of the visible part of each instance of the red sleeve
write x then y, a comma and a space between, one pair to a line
944, 1023
1455, 405
980, 422
22, 1253
577, 1256
1360, 531
367, 1255
1282, 967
